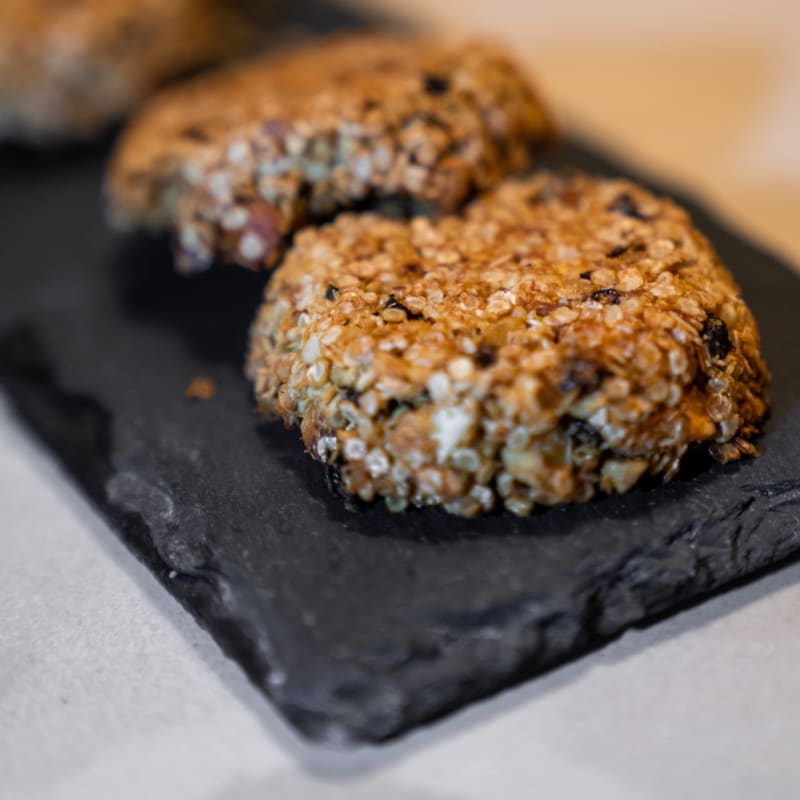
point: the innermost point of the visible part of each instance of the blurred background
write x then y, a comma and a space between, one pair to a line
704, 94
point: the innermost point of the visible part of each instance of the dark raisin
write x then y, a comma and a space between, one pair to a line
414, 268
486, 356
586, 276
195, 133
393, 302
436, 84
626, 206
582, 374
570, 198
332, 292
607, 296
618, 251
395, 405
716, 336
584, 433
335, 483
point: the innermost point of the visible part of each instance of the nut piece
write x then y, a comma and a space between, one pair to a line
545, 350
242, 158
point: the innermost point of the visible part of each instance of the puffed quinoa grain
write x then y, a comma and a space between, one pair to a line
295, 137
582, 380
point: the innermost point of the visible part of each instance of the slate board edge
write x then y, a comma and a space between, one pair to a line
41, 403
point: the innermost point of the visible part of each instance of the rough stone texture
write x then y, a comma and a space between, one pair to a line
357, 625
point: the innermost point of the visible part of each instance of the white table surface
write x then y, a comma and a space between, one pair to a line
109, 690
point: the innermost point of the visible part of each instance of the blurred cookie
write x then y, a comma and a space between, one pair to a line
565, 336
70, 67
236, 161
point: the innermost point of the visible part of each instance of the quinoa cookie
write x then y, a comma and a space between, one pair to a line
69, 67
566, 336
235, 162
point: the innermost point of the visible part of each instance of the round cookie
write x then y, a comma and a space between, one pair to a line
234, 162
565, 336
69, 68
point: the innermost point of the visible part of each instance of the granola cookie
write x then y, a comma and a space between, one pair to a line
566, 336
235, 162
70, 67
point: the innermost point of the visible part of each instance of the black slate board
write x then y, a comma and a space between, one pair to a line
357, 625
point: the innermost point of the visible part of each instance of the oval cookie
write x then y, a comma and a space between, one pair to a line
235, 162
566, 336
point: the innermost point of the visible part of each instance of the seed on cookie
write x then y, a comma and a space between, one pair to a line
541, 352
248, 155
69, 69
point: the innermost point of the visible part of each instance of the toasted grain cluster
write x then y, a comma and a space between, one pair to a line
564, 337
68, 68
234, 162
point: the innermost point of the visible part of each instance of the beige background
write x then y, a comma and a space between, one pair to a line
703, 92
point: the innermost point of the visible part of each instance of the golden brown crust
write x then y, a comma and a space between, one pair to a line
70, 67
236, 161
566, 336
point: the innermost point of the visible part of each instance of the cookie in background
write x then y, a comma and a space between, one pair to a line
69, 69
237, 160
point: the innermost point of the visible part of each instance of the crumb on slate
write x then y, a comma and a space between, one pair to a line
200, 388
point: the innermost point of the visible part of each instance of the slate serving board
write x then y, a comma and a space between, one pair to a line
358, 626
